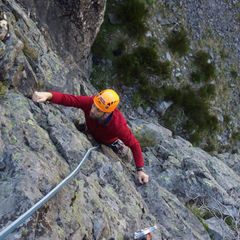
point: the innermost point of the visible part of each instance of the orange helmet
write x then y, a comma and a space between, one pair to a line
107, 100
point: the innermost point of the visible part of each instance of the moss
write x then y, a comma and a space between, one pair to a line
230, 222
3, 89
60, 233
2, 48
49, 74
13, 140
145, 137
27, 50
40, 84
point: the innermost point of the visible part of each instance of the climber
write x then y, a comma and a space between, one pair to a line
104, 122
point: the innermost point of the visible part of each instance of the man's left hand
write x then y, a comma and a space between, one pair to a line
143, 177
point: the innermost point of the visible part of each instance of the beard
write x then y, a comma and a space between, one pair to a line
94, 117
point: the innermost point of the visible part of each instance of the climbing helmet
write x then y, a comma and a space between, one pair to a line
107, 100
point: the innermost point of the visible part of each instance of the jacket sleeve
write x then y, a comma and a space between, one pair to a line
82, 102
129, 140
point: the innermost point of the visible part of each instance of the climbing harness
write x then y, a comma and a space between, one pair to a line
144, 234
34, 208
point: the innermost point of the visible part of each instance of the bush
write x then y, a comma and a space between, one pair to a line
137, 100
178, 42
195, 107
133, 68
234, 74
148, 59
100, 46
173, 94
133, 14
128, 68
150, 93
206, 70
207, 91
198, 77
98, 78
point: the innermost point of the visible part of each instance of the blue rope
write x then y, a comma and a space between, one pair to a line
34, 208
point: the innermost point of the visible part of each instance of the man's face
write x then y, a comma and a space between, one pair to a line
95, 113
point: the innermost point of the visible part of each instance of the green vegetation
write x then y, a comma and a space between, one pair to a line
144, 60
133, 15
27, 50
123, 55
236, 134
145, 137
138, 101
230, 222
195, 107
234, 74
178, 42
207, 91
99, 78
205, 68
146, 140
137, 67
100, 46
3, 89
133, 68
202, 214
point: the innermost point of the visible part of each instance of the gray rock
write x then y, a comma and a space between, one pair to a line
165, 22
113, 19
219, 229
220, 117
40, 145
178, 74
3, 29
163, 106
148, 34
79, 27
140, 110
168, 56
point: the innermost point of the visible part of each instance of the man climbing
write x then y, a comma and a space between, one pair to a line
104, 122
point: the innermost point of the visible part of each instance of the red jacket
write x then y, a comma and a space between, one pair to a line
115, 129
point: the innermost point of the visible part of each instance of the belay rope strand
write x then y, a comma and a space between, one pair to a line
34, 208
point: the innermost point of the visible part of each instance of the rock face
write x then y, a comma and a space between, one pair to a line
40, 146
73, 25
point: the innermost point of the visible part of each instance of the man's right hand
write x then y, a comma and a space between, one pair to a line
40, 97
